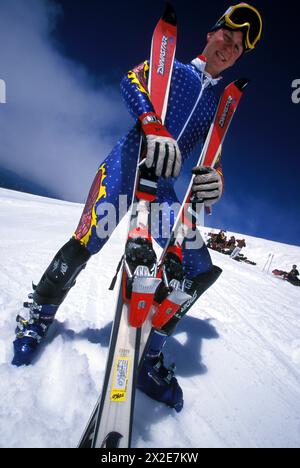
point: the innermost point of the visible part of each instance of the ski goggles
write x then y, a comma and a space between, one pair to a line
246, 18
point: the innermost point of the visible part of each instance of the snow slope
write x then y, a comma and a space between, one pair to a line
237, 352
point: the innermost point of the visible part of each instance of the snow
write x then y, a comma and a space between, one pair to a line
237, 352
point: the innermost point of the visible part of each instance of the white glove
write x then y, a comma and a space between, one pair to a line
163, 152
207, 185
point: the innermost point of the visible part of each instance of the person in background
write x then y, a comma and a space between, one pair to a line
237, 250
230, 245
293, 274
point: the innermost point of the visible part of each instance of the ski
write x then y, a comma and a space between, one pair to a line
110, 425
171, 294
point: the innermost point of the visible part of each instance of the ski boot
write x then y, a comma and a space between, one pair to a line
50, 292
157, 381
29, 333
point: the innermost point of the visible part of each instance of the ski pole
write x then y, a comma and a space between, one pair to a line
271, 261
266, 262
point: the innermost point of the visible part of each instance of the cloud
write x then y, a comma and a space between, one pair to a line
59, 121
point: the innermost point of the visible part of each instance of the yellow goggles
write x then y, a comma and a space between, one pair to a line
246, 18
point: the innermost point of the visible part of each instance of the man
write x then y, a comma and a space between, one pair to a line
293, 274
221, 241
241, 243
191, 109
231, 243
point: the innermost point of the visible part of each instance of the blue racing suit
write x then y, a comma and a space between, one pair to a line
191, 109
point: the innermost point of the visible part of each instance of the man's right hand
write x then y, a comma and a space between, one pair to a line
163, 152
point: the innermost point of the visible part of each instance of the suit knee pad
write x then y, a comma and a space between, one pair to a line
61, 274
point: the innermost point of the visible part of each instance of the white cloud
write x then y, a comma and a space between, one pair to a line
58, 123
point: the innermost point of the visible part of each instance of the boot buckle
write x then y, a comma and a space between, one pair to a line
32, 334
21, 324
171, 373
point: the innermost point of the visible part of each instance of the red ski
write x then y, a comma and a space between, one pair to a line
140, 281
110, 425
188, 216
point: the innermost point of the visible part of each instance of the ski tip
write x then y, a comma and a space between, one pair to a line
242, 83
169, 15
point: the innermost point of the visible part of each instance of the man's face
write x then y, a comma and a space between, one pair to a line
223, 49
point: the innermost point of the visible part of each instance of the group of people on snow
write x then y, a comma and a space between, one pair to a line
233, 247
220, 243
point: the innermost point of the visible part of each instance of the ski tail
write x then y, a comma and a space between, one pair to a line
90, 432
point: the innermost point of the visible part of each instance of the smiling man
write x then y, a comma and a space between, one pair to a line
192, 105
223, 49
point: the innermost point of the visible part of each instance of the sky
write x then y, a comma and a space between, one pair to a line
62, 62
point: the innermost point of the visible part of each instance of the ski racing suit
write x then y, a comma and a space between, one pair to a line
191, 109
192, 106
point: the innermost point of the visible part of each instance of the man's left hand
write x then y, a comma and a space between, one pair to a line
207, 185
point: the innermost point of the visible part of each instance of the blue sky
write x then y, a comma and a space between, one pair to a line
64, 111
